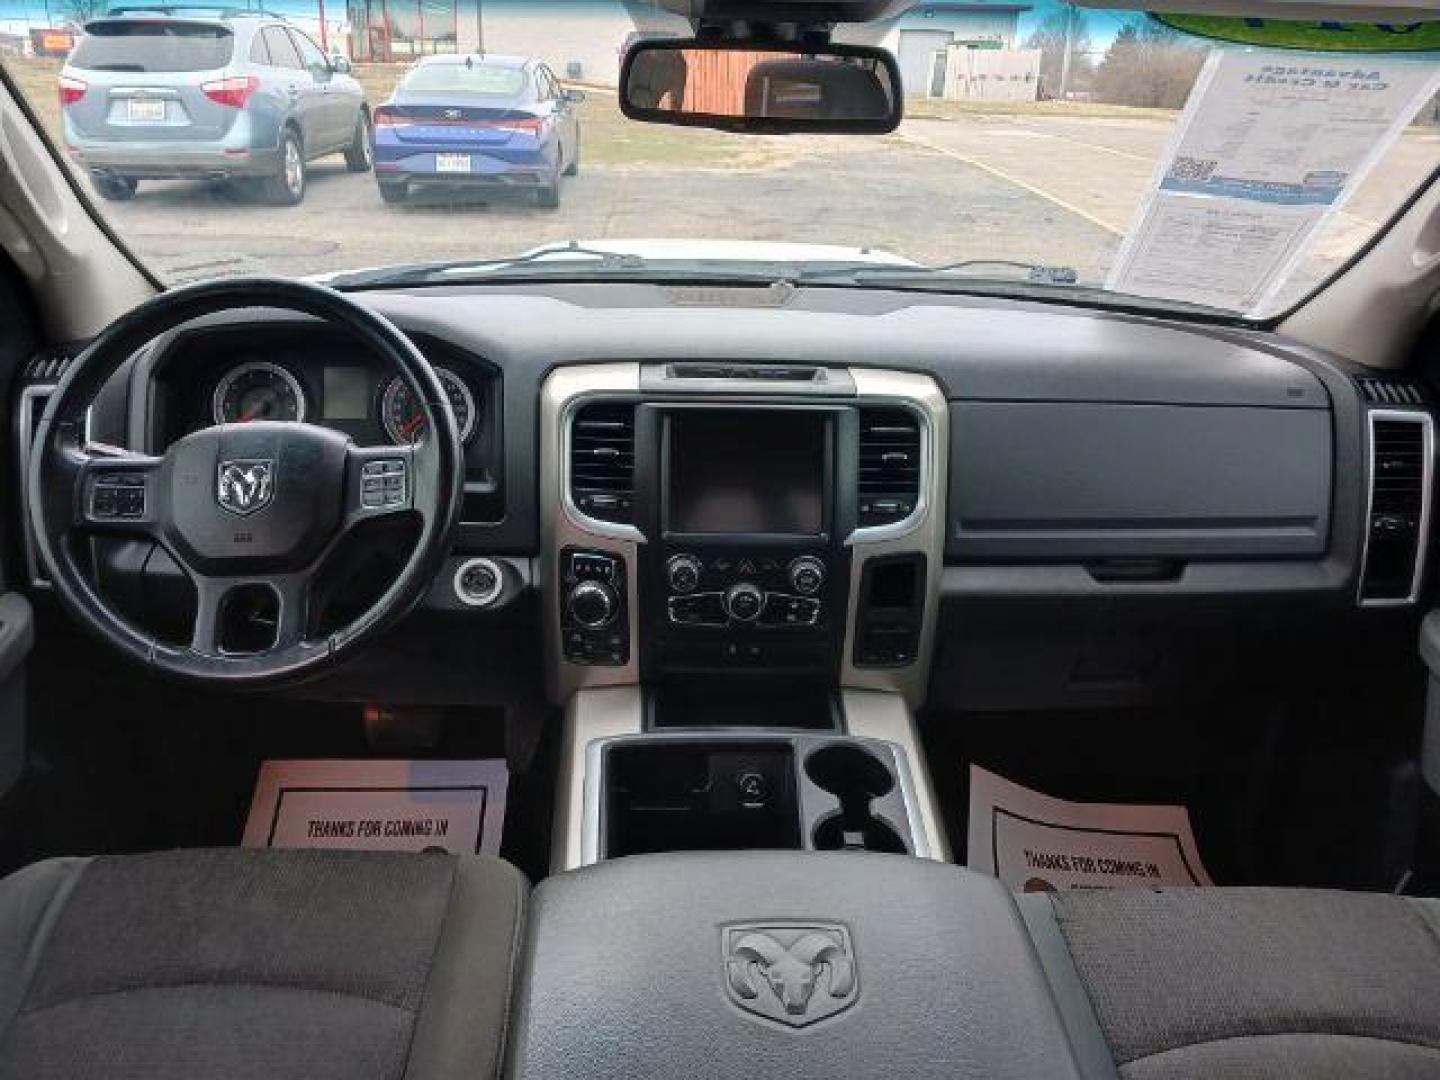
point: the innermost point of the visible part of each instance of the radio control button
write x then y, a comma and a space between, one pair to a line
700, 609
744, 602
807, 574
683, 573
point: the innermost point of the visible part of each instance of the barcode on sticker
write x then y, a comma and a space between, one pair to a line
1189, 168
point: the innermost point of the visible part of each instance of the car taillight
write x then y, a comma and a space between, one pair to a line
234, 91
71, 90
384, 117
534, 123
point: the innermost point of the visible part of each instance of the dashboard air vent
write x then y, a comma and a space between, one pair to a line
889, 466
1391, 391
1400, 448
602, 460
48, 367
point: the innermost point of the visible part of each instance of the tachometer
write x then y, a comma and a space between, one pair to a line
258, 391
404, 419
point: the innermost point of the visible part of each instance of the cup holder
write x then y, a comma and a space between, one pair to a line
856, 778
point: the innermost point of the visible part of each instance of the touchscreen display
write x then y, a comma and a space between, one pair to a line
747, 472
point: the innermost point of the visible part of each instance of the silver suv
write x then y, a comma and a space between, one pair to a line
187, 92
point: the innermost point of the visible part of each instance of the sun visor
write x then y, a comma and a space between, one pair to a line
1383, 11
803, 12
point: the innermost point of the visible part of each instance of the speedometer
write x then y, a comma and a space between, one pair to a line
257, 391
404, 419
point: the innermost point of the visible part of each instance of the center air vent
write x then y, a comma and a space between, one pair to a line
602, 460
889, 466
1400, 448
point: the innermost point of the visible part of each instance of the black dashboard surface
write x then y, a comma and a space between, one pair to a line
1218, 461
1254, 430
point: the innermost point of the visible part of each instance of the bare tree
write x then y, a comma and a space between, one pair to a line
1148, 65
79, 12
1049, 38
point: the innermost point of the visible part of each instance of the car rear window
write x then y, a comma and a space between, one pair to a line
466, 79
147, 45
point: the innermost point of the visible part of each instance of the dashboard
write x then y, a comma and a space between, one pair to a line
975, 502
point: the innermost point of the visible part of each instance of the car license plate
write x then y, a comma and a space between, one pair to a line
142, 110
452, 163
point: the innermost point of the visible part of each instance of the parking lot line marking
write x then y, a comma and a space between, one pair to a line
1001, 174
1095, 146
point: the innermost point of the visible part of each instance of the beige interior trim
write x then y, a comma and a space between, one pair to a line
81, 279
596, 713
874, 714
1373, 313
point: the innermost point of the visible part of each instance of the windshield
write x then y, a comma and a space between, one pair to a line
485, 79
1047, 150
150, 46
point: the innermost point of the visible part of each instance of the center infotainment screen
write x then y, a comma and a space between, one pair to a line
760, 471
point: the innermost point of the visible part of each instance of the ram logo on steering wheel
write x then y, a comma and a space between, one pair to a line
245, 486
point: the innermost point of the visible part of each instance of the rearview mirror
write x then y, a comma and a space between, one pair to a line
761, 88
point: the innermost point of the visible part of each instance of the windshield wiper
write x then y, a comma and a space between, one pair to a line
565, 258
1035, 273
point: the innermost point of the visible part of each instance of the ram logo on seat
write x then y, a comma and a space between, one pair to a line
793, 973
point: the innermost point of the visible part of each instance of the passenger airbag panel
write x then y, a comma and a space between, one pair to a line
1060, 481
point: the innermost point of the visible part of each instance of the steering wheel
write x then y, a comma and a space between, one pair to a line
242, 506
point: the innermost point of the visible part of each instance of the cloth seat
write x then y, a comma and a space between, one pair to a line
237, 964
1256, 983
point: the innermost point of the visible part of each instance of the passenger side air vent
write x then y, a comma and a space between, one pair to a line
889, 466
1400, 452
1378, 391
602, 460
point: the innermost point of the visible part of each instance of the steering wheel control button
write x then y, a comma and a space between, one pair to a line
382, 484
478, 583
807, 574
594, 629
683, 572
117, 496
744, 602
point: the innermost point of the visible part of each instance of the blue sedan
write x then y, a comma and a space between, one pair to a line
477, 121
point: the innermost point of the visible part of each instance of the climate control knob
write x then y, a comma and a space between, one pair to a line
592, 604
744, 602
683, 572
807, 574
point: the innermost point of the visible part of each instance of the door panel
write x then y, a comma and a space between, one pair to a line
17, 636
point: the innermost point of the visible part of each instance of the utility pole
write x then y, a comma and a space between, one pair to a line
1069, 52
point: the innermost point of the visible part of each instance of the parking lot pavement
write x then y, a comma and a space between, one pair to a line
886, 194
1056, 190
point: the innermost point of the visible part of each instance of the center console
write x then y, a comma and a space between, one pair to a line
741, 566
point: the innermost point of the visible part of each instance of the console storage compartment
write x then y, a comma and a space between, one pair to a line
717, 791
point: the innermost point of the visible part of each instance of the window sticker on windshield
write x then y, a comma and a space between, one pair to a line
1267, 149
1036, 843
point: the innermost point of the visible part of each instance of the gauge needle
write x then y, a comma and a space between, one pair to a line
245, 418
411, 426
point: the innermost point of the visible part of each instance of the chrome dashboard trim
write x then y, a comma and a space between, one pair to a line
562, 525
923, 532
1422, 545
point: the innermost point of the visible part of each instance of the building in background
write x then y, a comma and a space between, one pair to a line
581, 40
928, 27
